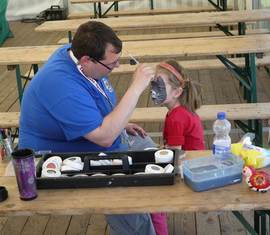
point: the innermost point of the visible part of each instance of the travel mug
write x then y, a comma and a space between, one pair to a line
25, 171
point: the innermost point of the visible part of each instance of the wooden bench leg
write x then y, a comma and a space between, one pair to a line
260, 225
19, 77
254, 126
245, 223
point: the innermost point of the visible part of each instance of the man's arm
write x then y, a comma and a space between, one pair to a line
116, 121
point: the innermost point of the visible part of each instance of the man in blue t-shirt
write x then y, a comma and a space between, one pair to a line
70, 106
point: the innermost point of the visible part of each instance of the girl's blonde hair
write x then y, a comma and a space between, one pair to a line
191, 96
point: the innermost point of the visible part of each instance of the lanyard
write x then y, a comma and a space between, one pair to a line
93, 81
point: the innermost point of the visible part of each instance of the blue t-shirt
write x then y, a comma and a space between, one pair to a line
60, 106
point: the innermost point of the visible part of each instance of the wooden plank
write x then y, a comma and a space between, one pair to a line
197, 46
185, 224
9, 119
97, 225
123, 82
78, 224
149, 50
207, 223
170, 222
158, 36
263, 85
169, 20
241, 111
182, 10
229, 224
172, 198
35, 54
187, 9
35, 225
7, 82
57, 225
3, 221
14, 225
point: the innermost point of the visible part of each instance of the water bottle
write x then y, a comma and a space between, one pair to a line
6, 143
222, 139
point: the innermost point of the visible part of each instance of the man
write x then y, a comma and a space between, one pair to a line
70, 106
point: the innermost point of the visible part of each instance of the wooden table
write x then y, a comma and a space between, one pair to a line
173, 198
220, 19
166, 21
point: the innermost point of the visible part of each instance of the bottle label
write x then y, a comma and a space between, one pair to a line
217, 149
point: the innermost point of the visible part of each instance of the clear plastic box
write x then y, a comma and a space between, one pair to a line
210, 172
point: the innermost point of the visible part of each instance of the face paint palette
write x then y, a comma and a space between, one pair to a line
110, 169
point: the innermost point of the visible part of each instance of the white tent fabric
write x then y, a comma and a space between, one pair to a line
22, 9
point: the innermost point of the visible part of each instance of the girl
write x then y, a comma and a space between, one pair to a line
182, 126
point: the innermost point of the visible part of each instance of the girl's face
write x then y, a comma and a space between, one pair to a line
172, 93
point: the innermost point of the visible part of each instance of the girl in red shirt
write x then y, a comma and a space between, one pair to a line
182, 127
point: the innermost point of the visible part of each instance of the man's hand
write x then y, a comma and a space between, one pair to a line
134, 129
142, 77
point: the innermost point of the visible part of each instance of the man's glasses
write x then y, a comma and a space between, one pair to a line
106, 66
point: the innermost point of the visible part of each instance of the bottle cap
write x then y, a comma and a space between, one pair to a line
221, 115
3, 193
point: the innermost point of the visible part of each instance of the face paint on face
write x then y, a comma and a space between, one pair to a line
158, 91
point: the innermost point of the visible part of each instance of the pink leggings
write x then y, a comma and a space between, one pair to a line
159, 221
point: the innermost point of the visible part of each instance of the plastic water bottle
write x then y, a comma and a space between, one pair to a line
222, 139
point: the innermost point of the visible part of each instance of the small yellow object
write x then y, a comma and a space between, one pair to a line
236, 148
251, 157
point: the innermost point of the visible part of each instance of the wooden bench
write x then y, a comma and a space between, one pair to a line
158, 36
243, 111
77, 15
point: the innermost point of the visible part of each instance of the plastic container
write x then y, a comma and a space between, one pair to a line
206, 173
222, 139
108, 175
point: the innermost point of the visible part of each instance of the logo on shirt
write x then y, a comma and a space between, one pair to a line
107, 85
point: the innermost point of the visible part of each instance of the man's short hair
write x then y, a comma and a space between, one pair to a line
92, 39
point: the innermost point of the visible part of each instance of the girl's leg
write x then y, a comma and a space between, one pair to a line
159, 221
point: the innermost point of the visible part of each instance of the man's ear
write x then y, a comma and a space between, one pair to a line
84, 59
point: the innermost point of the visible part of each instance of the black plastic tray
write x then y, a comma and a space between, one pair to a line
139, 158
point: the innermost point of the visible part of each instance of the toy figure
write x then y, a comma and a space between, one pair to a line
258, 181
